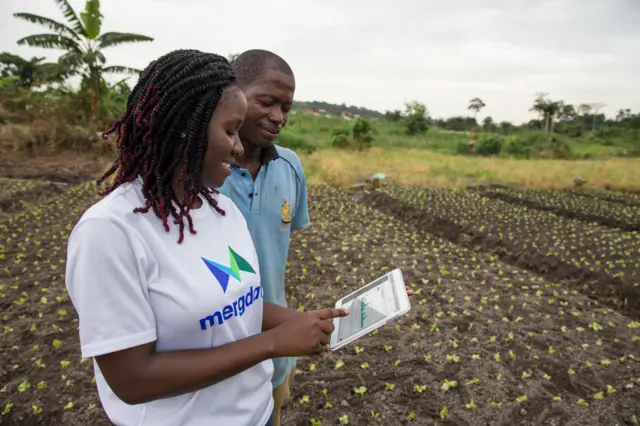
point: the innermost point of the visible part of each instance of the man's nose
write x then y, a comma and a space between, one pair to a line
277, 117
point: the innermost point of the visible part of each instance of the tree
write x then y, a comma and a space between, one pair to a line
393, 116
30, 72
547, 110
506, 127
596, 107
416, 118
80, 37
476, 105
362, 134
584, 109
487, 124
623, 114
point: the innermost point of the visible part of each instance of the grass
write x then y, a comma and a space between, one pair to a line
418, 167
412, 167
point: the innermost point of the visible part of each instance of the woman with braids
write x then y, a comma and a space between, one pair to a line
163, 272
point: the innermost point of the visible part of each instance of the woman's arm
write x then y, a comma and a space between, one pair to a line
274, 315
140, 374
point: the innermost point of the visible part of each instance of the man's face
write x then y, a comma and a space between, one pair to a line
269, 100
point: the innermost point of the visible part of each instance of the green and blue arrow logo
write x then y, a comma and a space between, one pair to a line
222, 273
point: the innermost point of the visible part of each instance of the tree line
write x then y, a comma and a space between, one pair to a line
554, 116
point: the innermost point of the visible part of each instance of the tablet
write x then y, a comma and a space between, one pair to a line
370, 307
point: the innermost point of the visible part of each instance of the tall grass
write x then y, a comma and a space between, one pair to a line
418, 167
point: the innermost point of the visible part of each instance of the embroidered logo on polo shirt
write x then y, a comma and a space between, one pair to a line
286, 212
222, 273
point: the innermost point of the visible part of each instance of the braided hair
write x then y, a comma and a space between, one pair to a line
163, 130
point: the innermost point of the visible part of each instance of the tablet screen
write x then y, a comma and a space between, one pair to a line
368, 306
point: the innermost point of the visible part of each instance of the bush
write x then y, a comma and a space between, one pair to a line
362, 134
290, 139
415, 120
462, 147
538, 145
47, 121
489, 145
359, 136
340, 138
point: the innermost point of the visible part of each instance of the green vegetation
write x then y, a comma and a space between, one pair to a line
84, 45
332, 109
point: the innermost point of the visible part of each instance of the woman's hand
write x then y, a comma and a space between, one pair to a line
306, 334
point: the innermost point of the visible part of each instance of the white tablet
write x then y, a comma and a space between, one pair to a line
370, 307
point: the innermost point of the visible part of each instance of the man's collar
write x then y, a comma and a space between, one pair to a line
268, 154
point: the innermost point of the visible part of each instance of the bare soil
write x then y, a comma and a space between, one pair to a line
526, 345
71, 168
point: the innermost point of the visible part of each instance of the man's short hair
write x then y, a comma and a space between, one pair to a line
254, 63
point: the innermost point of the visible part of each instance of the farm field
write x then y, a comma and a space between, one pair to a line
527, 308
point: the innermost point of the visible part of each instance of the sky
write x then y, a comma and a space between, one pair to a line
382, 53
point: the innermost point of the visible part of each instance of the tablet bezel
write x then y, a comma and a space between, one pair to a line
397, 280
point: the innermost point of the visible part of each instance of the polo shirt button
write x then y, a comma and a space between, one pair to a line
250, 195
244, 174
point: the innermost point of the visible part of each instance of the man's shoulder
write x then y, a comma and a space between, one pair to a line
290, 157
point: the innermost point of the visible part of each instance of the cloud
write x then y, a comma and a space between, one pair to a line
381, 53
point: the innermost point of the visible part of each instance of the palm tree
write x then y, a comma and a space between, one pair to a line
506, 127
596, 107
81, 39
547, 110
476, 105
566, 114
584, 109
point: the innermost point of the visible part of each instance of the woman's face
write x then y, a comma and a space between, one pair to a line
222, 137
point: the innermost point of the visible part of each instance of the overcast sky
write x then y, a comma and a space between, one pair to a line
381, 53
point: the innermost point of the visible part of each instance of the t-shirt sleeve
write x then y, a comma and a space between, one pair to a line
301, 215
107, 285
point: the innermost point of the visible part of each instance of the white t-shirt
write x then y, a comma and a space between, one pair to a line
132, 283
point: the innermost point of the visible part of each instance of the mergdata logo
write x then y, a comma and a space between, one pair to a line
222, 273
234, 310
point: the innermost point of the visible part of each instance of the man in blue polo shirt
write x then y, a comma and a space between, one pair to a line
268, 184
